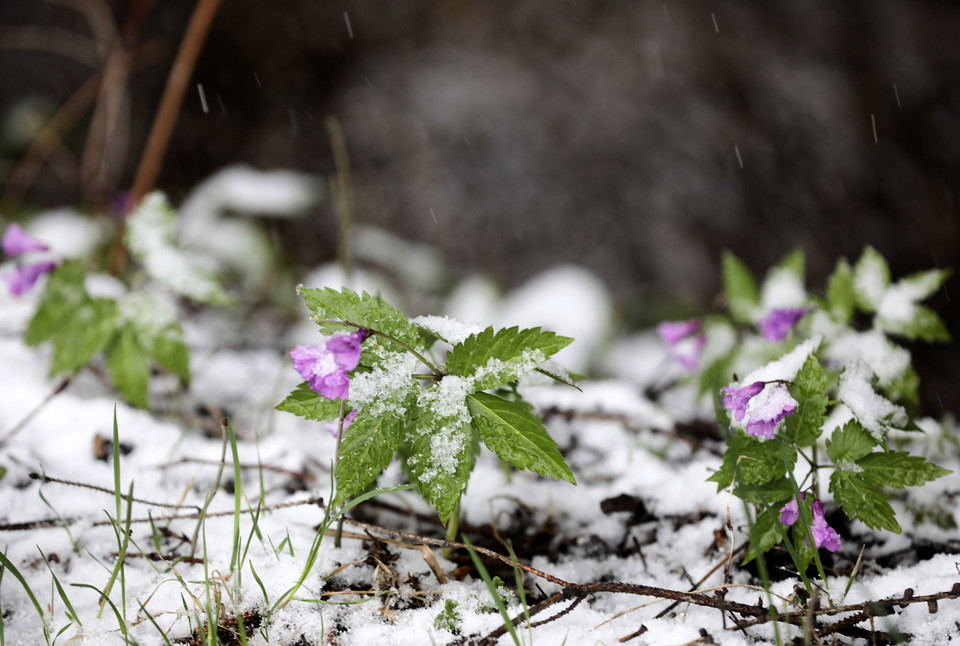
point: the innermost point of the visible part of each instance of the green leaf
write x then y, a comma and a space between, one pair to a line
924, 325
850, 443
809, 389
82, 334
898, 469
739, 288
795, 263
517, 436
63, 294
128, 367
439, 455
924, 284
752, 461
493, 359
764, 534
150, 234
154, 320
765, 494
170, 352
864, 500
366, 449
305, 402
840, 293
365, 310
871, 278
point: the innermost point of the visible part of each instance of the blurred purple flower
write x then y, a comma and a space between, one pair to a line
779, 321
737, 397
763, 419
325, 366
790, 512
16, 241
823, 534
24, 277
685, 339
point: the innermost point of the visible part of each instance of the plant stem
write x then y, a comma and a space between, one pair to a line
453, 528
339, 535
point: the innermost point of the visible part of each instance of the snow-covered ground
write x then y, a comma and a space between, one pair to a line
667, 529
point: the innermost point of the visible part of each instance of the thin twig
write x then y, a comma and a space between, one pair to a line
45, 478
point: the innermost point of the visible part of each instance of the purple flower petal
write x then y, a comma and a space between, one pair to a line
763, 419
738, 397
24, 277
790, 512
16, 241
325, 366
673, 331
779, 322
346, 348
823, 534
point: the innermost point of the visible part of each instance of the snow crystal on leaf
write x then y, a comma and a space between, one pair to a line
871, 277
874, 412
450, 330
148, 312
385, 388
447, 400
899, 303
445, 449
786, 367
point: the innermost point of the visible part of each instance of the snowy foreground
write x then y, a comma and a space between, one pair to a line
642, 513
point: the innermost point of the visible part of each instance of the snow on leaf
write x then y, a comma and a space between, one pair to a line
493, 359
364, 310
786, 367
874, 412
871, 277
150, 235
447, 329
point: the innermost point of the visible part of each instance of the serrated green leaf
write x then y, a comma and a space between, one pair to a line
366, 449
767, 493
63, 294
923, 325
365, 310
809, 389
305, 402
82, 334
739, 289
517, 436
752, 461
439, 455
850, 443
150, 234
840, 294
898, 469
493, 359
861, 499
871, 278
764, 534
129, 368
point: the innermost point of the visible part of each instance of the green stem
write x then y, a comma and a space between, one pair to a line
339, 535
453, 528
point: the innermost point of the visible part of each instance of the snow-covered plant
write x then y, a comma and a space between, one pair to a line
376, 372
823, 388
135, 325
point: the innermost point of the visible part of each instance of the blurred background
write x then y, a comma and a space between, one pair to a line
636, 139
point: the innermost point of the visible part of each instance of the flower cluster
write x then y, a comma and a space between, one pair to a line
823, 534
17, 242
325, 366
685, 340
761, 418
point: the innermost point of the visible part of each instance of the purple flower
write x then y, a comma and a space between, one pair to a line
738, 397
790, 512
779, 321
325, 366
24, 277
16, 241
823, 534
763, 419
685, 339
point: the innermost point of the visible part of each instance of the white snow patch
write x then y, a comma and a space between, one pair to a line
782, 288
876, 413
786, 367
887, 360
449, 329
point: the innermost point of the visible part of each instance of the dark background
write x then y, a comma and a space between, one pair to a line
516, 135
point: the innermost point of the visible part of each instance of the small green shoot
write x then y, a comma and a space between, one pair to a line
491, 586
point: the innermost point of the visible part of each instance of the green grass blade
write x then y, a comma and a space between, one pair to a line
8, 565
481, 568
155, 624
116, 611
237, 500
71, 613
